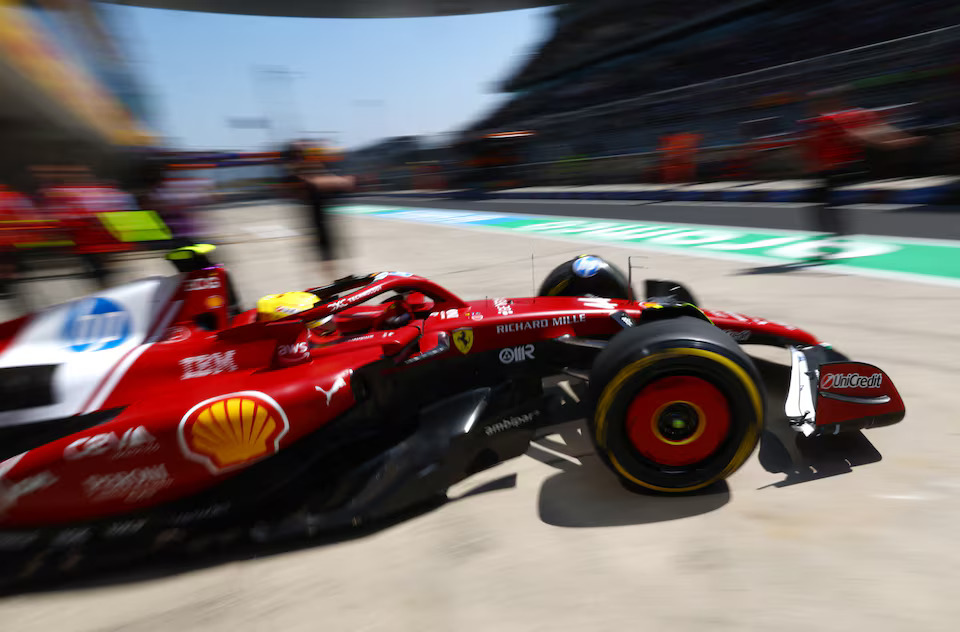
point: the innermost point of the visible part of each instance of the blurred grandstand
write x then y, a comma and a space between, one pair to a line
70, 95
617, 83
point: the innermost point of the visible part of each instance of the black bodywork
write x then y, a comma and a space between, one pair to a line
418, 429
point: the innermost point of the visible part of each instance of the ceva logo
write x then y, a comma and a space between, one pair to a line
95, 324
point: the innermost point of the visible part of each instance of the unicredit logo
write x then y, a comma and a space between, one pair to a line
851, 380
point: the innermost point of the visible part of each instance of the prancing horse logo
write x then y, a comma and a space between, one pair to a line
463, 339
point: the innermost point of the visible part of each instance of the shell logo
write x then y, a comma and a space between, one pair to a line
229, 431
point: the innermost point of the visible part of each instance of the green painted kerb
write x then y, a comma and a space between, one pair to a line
922, 260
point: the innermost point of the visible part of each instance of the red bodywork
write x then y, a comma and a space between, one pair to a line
844, 389
199, 403
69, 221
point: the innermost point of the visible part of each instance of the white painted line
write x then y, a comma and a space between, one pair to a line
704, 253
919, 241
879, 207
567, 218
678, 225
591, 202
729, 204
716, 186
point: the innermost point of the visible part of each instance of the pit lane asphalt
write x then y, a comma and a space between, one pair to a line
862, 536
932, 222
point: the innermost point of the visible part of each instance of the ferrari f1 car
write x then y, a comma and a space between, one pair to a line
158, 411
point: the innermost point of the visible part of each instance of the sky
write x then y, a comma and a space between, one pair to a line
349, 80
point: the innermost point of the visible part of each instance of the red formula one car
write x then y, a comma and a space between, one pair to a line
157, 411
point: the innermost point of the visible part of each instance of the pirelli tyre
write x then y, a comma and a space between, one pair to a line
678, 405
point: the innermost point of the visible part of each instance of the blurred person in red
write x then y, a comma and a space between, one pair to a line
73, 196
679, 163
105, 196
311, 182
838, 139
16, 212
53, 191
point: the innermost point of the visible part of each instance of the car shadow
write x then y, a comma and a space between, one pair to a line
178, 561
585, 493
802, 459
811, 459
781, 268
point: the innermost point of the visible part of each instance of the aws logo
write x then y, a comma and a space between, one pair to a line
228, 431
297, 350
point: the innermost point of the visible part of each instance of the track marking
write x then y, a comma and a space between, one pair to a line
590, 202
934, 262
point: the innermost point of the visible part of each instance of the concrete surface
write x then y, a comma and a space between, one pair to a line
863, 540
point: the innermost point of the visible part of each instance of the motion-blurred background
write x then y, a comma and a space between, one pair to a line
618, 87
129, 127
592, 92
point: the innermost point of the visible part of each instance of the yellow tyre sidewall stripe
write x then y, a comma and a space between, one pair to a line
613, 388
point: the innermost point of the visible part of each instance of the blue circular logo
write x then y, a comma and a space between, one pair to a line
95, 324
587, 266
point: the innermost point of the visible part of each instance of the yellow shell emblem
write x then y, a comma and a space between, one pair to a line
228, 431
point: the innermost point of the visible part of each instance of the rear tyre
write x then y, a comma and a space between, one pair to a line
678, 405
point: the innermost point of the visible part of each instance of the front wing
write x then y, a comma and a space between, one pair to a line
829, 394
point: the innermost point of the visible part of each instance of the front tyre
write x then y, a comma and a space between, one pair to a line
678, 405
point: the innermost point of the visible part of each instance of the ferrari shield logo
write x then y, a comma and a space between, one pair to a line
463, 339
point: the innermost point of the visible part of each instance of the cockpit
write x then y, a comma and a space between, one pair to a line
397, 309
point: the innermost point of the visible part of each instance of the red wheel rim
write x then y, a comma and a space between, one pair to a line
678, 420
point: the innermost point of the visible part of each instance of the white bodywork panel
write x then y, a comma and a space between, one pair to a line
799, 407
87, 338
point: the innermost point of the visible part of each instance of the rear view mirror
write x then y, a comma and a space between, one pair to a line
661, 288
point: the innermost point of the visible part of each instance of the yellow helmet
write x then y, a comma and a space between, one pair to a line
276, 306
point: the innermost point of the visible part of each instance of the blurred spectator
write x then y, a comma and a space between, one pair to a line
74, 198
311, 182
679, 157
178, 198
837, 143
15, 209
690, 49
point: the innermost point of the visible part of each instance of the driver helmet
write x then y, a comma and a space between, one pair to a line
586, 275
277, 306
